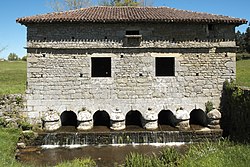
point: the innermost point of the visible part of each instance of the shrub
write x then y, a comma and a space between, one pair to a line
209, 106
87, 162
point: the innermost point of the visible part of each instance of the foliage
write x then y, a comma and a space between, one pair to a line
247, 39
240, 41
62, 5
235, 111
243, 73
169, 157
87, 162
12, 77
13, 57
242, 56
126, 3
8, 140
219, 154
28, 137
24, 58
209, 106
243, 41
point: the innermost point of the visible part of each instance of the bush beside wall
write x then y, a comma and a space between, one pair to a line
235, 105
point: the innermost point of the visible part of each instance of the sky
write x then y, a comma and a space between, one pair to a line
13, 35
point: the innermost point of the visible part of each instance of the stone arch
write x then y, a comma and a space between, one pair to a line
101, 118
68, 118
133, 117
166, 117
198, 117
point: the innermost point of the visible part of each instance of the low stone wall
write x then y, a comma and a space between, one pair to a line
236, 112
12, 108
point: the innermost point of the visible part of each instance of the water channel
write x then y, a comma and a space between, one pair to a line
108, 147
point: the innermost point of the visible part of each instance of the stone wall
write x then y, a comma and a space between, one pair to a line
12, 108
236, 112
59, 68
116, 31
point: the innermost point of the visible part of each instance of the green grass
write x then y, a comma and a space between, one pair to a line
12, 77
208, 154
243, 73
8, 140
219, 154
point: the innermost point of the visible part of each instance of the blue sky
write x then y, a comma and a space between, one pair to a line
13, 35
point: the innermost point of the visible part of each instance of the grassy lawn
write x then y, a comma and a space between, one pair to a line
243, 73
8, 140
12, 77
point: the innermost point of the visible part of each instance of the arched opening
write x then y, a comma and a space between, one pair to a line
133, 118
166, 117
68, 118
101, 118
198, 117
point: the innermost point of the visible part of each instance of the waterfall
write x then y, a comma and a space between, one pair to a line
72, 139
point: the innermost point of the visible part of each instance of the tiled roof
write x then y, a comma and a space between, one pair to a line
130, 14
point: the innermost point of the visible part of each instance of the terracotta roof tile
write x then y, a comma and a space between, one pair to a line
130, 14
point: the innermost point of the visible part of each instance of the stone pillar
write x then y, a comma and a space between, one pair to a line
182, 119
214, 117
51, 121
85, 121
117, 120
150, 120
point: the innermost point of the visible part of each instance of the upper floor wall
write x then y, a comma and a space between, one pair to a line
120, 33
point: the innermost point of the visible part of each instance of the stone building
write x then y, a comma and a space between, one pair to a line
118, 66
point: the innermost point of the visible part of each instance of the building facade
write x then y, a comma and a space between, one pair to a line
118, 60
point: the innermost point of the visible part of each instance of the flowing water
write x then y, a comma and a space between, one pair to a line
107, 147
104, 156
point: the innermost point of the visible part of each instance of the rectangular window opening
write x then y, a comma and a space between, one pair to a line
211, 27
101, 67
165, 66
132, 32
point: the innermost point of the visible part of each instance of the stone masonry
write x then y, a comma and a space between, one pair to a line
59, 69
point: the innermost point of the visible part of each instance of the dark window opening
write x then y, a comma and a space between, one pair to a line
132, 38
133, 118
166, 117
68, 118
101, 67
164, 66
101, 118
198, 117
211, 27
132, 32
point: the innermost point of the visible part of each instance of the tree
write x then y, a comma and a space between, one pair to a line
24, 58
240, 41
61, 5
125, 2
247, 39
2, 49
13, 57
